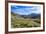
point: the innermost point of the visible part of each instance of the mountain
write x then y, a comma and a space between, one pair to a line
33, 15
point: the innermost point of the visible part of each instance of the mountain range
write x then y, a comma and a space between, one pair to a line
32, 15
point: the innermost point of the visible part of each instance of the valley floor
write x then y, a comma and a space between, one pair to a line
25, 23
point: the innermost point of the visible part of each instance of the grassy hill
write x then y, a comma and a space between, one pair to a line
18, 21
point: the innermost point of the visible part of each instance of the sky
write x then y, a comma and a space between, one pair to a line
25, 10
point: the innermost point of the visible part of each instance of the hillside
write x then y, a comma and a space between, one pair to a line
22, 21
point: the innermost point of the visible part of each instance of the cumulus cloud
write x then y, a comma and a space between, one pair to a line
25, 10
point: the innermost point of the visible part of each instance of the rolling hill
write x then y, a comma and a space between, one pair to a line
24, 21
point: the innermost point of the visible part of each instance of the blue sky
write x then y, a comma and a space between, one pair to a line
25, 10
